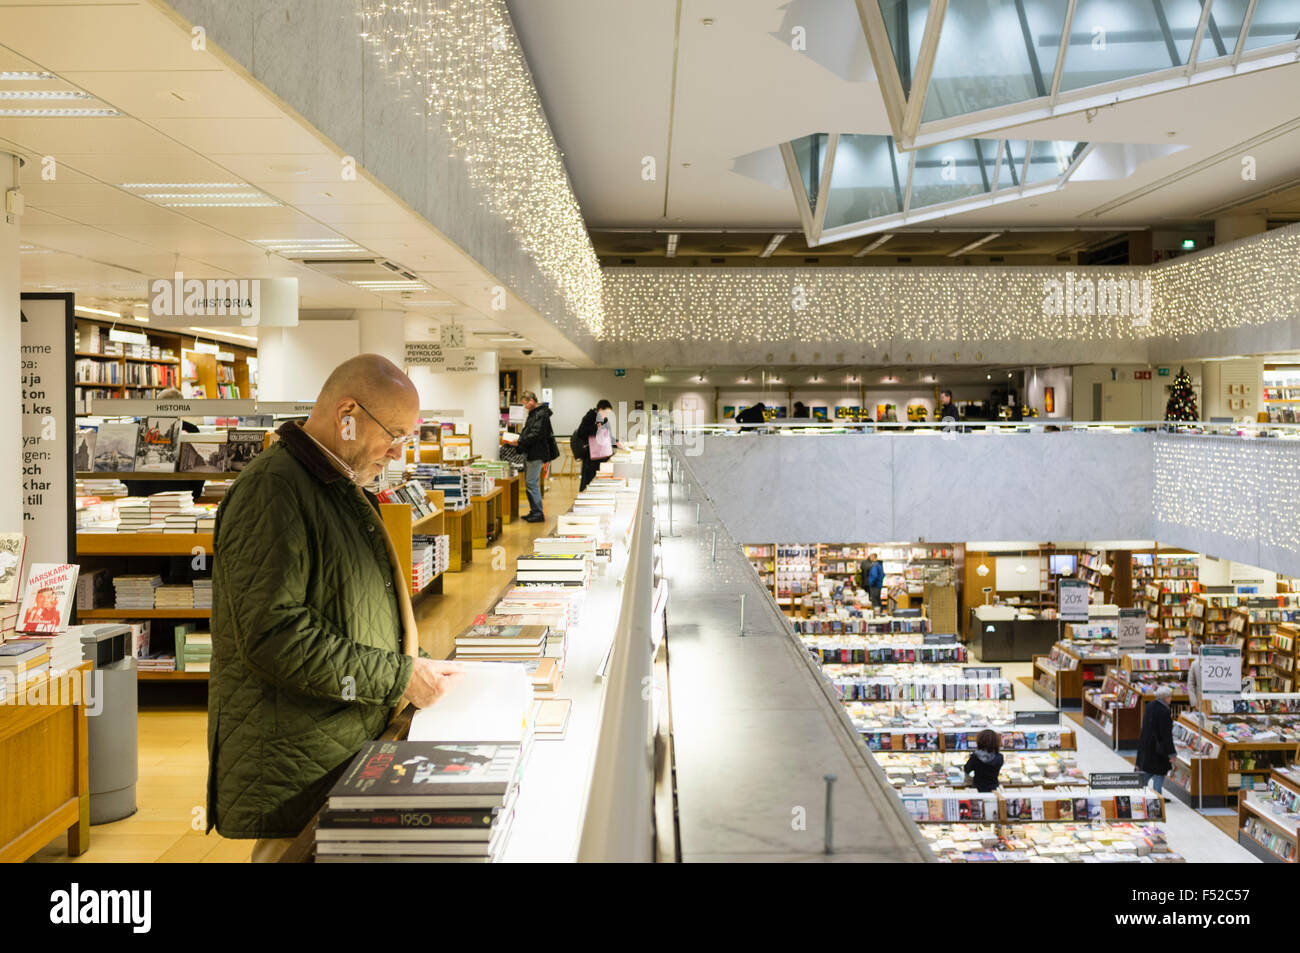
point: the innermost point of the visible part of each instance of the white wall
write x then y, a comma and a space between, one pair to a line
1226, 572
574, 392
475, 394
11, 436
1221, 376
1149, 396
292, 363
1038, 379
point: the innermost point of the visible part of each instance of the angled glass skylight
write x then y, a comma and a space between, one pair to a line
848, 185
955, 69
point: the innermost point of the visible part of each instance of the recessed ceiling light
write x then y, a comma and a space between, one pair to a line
183, 185
59, 113
289, 169
107, 314
192, 196
12, 76
44, 94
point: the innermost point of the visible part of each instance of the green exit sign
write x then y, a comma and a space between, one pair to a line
1163, 372
620, 371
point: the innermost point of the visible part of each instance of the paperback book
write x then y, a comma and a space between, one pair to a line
47, 599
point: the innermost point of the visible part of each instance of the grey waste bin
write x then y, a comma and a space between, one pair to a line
113, 742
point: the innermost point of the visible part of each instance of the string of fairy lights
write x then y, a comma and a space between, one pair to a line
1249, 283
463, 59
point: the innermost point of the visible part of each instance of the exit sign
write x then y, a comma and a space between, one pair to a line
1142, 375
1163, 372
620, 371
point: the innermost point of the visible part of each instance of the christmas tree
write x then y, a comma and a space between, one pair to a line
1182, 400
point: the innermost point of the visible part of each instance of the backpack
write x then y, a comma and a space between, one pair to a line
578, 445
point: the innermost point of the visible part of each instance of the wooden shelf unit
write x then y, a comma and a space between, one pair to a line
45, 789
487, 516
1221, 765
1063, 684
1118, 721
1262, 830
401, 528
1208, 617
460, 528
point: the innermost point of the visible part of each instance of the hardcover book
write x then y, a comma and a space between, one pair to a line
156, 447
422, 773
115, 447
84, 455
12, 547
47, 599
242, 446
203, 453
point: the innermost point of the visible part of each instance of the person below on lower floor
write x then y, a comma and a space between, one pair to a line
985, 762
1156, 742
873, 579
595, 441
537, 444
314, 644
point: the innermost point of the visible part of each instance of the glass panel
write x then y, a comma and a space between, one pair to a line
1116, 39
987, 151
994, 52
948, 172
810, 156
867, 182
1274, 22
1050, 160
1221, 31
1013, 164
905, 24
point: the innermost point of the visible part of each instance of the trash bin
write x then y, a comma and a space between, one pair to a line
114, 737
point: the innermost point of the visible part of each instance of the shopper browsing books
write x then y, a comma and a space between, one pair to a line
314, 644
985, 762
594, 440
537, 443
873, 579
1156, 741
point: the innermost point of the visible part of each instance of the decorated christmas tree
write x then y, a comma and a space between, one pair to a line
1182, 399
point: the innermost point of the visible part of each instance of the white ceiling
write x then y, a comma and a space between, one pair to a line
187, 116
605, 72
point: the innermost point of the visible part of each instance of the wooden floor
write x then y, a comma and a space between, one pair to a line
168, 826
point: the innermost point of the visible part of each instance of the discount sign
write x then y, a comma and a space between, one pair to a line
1220, 670
1072, 600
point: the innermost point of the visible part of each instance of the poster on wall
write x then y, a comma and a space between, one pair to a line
48, 428
1049, 400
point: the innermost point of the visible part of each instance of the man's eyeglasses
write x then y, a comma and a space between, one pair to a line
399, 440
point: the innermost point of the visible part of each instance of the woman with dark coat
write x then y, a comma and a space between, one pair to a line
985, 762
1156, 742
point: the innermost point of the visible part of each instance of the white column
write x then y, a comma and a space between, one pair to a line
292, 363
478, 395
383, 332
11, 441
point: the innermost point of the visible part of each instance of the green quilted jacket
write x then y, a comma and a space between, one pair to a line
307, 631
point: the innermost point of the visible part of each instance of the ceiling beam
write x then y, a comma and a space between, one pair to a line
975, 244
872, 246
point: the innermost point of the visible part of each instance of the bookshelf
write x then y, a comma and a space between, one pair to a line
1072, 666
402, 528
1237, 753
1267, 822
1208, 618
1173, 583
931, 806
1113, 712
1283, 657
1090, 570
1046, 767
796, 567
1266, 631
109, 369
1282, 393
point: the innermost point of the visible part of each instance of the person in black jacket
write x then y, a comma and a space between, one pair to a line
752, 415
595, 420
1156, 742
537, 443
985, 762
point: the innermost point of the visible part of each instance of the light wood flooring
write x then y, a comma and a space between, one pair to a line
173, 754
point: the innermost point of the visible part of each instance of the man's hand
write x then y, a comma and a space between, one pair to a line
430, 680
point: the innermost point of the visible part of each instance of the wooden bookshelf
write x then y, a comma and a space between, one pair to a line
1223, 772
1062, 675
1262, 827
172, 676
460, 528
401, 528
142, 544
45, 790
487, 511
83, 614
511, 487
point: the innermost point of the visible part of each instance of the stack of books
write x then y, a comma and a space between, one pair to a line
453, 484
156, 662
531, 609
168, 503
22, 660
422, 802
441, 554
205, 523
64, 648
8, 620
492, 642
193, 649
569, 545
184, 522
133, 515
215, 489
174, 597
422, 559
479, 482
556, 569
544, 673
412, 493
95, 515
104, 489
203, 593
94, 589
135, 592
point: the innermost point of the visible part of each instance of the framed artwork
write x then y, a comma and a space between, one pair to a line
1049, 400
820, 413
728, 411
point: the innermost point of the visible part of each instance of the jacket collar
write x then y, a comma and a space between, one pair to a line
305, 451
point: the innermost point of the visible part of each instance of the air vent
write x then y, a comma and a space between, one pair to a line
627, 261
359, 269
903, 261
811, 261
996, 258
717, 261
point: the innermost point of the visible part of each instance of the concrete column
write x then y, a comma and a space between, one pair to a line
11, 440
1228, 228
475, 394
292, 363
383, 332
